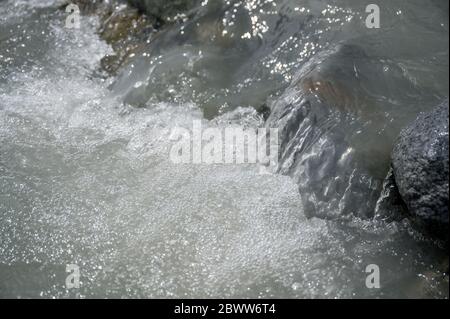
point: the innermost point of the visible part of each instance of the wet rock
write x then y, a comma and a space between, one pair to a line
122, 26
323, 135
217, 56
163, 9
127, 31
420, 165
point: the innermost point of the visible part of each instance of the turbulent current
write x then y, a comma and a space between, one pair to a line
86, 180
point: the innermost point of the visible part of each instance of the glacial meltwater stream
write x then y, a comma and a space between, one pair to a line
86, 179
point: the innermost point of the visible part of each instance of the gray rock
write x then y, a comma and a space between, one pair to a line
420, 166
323, 135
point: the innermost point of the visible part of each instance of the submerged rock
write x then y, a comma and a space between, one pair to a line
324, 123
122, 26
336, 135
127, 31
420, 165
221, 55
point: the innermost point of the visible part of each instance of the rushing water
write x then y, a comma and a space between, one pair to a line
85, 178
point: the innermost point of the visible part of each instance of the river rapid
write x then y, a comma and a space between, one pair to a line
85, 175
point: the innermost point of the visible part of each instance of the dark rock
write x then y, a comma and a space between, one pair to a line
163, 9
420, 165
